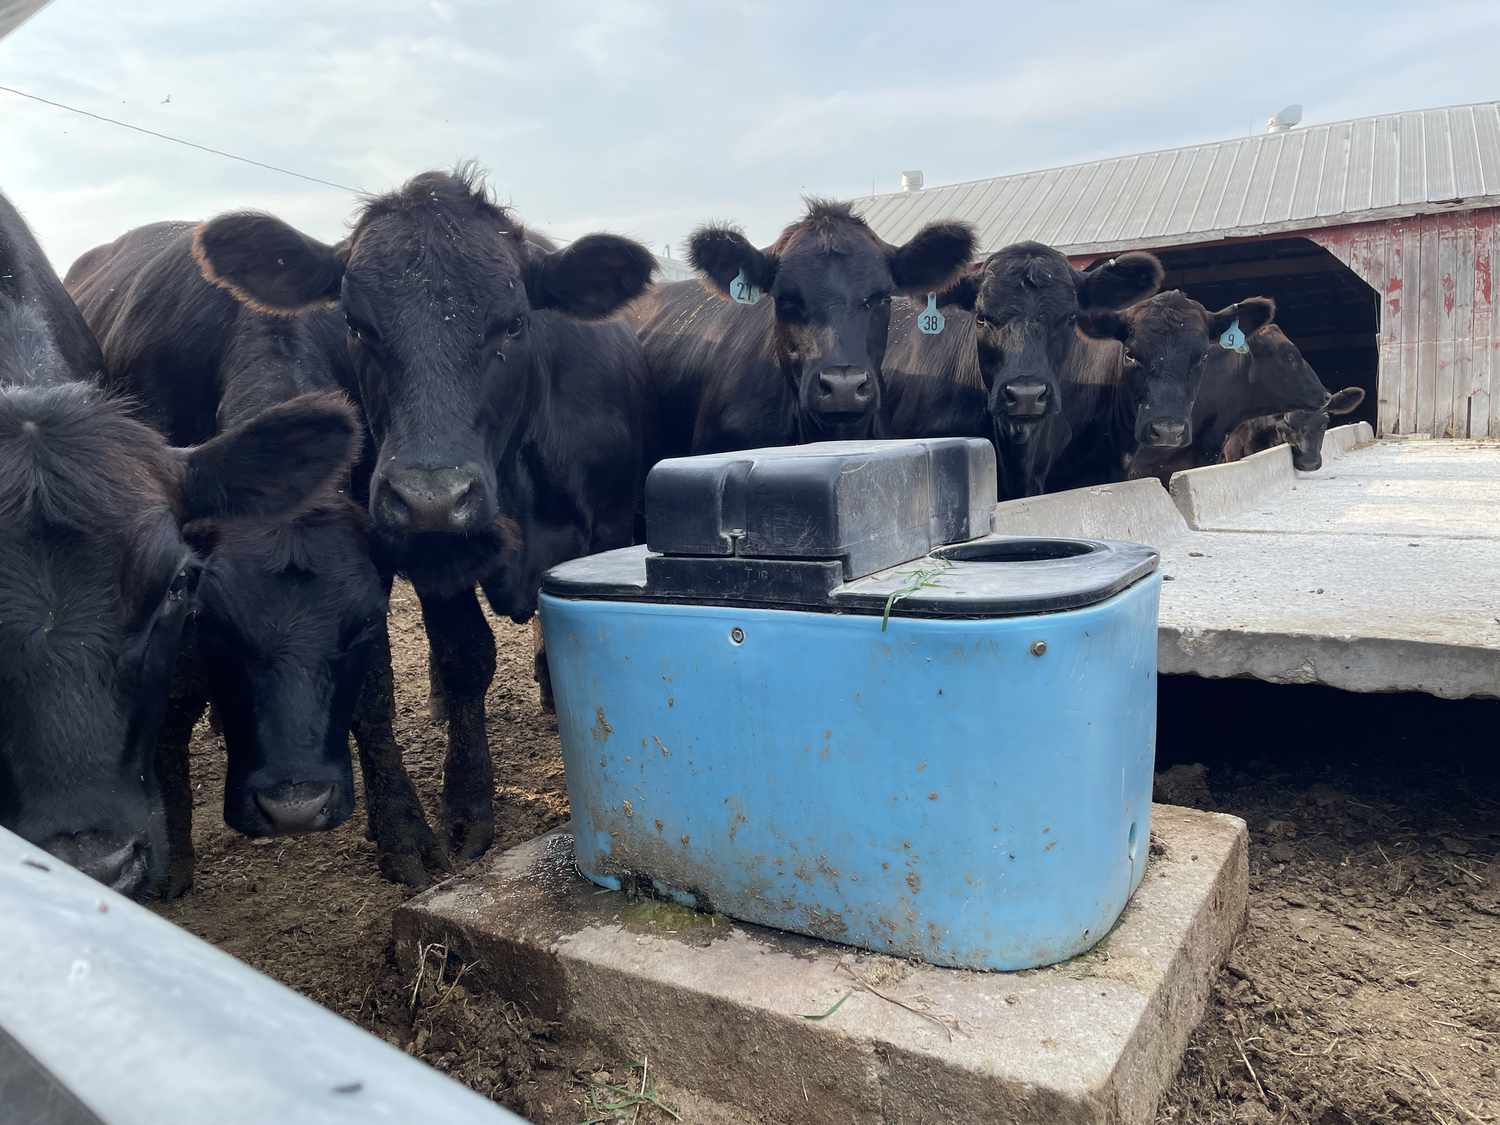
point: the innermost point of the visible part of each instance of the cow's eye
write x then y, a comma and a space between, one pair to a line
876, 299
516, 326
1130, 356
183, 585
983, 321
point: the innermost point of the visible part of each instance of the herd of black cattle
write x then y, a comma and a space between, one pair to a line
219, 442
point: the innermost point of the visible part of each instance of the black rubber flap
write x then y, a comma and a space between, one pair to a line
995, 576
867, 504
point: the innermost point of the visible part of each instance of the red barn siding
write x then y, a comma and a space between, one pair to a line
1439, 325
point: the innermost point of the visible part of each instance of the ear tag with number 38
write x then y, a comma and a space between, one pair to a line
742, 291
929, 321
1233, 339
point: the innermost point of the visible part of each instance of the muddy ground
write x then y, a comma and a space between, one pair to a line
1365, 990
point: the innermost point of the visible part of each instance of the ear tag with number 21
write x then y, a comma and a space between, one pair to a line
929, 321
1233, 340
742, 291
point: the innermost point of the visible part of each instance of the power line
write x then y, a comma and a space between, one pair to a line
180, 141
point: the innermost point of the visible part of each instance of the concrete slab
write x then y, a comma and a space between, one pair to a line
1339, 440
721, 1009
1402, 489
1377, 573
1138, 511
1215, 492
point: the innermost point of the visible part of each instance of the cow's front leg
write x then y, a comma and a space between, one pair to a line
463, 649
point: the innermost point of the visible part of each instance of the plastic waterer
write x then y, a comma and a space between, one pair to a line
825, 698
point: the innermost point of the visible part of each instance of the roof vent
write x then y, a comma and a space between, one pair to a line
1284, 120
911, 181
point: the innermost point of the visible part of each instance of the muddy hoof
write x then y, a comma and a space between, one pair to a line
179, 880
470, 838
437, 707
405, 868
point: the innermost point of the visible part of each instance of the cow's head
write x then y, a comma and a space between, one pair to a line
1285, 380
439, 287
829, 279
1167, 342
97, 582
288, 615
1026, 300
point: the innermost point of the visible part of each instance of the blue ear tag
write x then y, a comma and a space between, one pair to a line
1233, 339
929, 321
742, 291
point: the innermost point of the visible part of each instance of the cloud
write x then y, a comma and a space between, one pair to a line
650, 116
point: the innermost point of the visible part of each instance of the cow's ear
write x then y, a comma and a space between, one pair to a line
964, 292
273, 464
1253, 313
933, 257
1345, 401
1104, 325
720, 253
591, 278
267, 264
1119, 281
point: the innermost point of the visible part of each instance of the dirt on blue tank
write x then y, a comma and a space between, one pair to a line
824, 699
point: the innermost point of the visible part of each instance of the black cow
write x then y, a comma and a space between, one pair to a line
802, 362
290, 614
1255, 436
1166, 346
97, 579
509, 431
1272, 377
1011, 333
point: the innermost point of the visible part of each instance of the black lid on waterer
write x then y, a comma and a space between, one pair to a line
853, 527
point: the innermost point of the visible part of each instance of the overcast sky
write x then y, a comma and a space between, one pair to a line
646, 117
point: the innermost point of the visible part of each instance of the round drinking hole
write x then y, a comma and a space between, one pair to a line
1015, 550
1130, 842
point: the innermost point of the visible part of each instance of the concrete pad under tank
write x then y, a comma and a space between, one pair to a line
720, 1008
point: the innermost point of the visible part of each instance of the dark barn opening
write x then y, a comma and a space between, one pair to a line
1326, 309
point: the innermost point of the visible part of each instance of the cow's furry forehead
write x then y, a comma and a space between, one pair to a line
1029, 265
829, 227
439, 203
1168, 312
72, 457
28, 354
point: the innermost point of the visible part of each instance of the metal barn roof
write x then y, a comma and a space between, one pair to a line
1322, 175
13, 13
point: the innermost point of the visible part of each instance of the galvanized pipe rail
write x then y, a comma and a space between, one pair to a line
110, 1015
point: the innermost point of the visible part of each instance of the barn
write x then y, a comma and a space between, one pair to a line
1375, 236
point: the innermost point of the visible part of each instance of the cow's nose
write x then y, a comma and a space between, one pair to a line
844, 390
116, 861
445, 501
1168, 435
296, 807
1027, 398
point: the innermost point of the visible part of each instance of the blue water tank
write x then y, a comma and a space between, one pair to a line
824, 698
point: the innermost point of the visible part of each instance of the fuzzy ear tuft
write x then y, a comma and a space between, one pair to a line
719, 252
267, 264
932, 259
1119, 282
591, 278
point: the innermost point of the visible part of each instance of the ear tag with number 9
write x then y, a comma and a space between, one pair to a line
1233, 339
742, 291
929, 321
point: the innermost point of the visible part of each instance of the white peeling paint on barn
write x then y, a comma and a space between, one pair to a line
1439, 327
